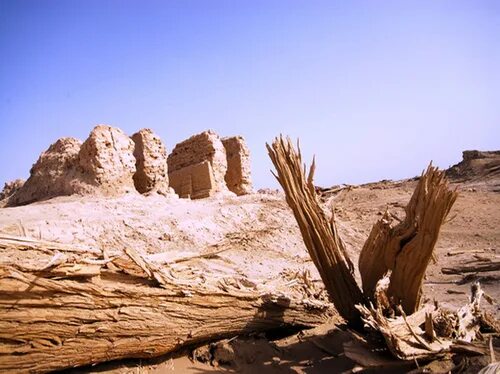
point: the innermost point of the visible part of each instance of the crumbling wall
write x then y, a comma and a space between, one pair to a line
107, 162
238, 175
52, 175
187, 159
103, 165
151, 163
194, 181
110, 163
10, 188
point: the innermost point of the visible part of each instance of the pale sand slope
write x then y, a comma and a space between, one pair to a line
257, 233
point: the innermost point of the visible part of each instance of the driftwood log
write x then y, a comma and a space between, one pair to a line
65, 306
474, 267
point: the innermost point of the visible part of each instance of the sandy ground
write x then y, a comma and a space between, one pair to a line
255, 234
259, 234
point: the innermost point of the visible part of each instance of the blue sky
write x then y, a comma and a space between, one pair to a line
375, 89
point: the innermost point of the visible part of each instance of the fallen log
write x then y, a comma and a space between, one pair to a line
476, 267
63, 306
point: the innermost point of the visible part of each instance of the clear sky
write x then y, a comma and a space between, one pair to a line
375, 89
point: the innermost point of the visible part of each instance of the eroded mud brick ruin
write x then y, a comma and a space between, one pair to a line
238, 165
151, 163
205, 164
197, 166
52, 175
110, 163
107, 161
103, 165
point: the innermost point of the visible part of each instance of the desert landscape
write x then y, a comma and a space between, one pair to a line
118, 256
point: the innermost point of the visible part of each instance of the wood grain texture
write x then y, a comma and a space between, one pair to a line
406, 248
318, 232
63, 306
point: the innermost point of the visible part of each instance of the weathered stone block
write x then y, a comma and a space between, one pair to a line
238, 175
194, 181
199, 148
151, 162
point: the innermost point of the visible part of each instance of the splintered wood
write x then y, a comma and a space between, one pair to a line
320, 234
404, 249
431, 332
63, 306
407, 248
392, 263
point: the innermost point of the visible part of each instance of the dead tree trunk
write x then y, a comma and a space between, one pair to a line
320, 234
62, 306
404, 249
407, 248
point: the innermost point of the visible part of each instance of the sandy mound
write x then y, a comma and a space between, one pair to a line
258, 232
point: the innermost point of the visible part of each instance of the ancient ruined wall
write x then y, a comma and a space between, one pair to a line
238, 175
107, 161
151, 163
52, 175
103, 165
194, 181
10, 188
199, 148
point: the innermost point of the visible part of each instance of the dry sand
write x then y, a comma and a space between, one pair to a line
259, 234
